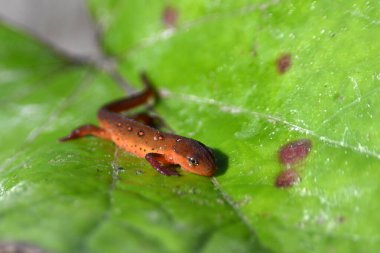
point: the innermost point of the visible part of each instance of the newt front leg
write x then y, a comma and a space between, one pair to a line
160, 164
86, 130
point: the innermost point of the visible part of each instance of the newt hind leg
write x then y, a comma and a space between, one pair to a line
135, 100
86, 130
161, 165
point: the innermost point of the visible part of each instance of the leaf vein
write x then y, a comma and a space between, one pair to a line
232, 109
228, 199
109, 205
358, 100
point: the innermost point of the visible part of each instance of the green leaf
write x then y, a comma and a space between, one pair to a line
84, 196
218, 73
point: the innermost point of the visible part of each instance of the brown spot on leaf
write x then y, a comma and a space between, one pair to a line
341, 219
294, 152
287, 178
283, 63
169, 17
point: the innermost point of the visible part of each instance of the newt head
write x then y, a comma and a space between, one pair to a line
194, 157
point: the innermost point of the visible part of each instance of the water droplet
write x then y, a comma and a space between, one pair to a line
158, 137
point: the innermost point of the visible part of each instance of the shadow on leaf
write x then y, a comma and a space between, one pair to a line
221, 162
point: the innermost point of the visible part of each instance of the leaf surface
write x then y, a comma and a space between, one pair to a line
218, 71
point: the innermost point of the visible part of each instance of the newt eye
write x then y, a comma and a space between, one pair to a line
192, 161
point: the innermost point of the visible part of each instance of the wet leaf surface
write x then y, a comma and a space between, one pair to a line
218, 72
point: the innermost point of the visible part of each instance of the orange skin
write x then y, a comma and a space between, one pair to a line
161, 150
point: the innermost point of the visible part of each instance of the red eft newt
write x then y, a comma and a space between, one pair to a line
161, 150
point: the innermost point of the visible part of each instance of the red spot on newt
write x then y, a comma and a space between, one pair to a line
294, 152
287, 178
160, 149
169, 17
283, 63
